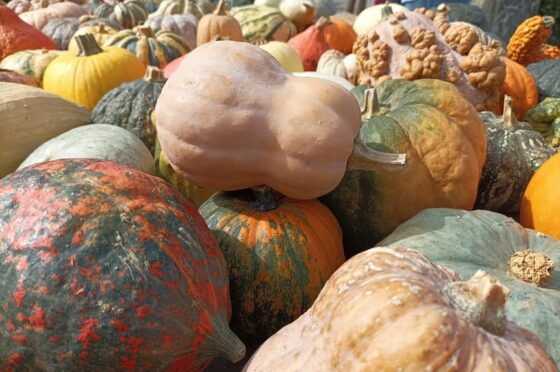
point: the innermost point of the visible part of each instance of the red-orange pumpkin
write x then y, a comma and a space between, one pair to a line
311, 44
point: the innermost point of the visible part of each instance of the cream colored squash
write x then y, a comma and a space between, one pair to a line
285, 55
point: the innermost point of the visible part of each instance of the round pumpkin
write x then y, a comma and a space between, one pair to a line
260, 24
31, 63
197, 8
541, 201
335, 63
391, 310
521, 87
95, 141
128, 13
279, 252
8, 76
300, 12
218, 26
130, 278
311, 44
61, 30
340, 35
100, 32
86, 77
40, 17
285, 55
445, 144
546, 75
373, 15
92, 20
466, 242
183, 25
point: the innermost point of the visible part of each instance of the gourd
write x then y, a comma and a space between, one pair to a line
444, 141
521, 87
61, 30
545, 119
86, 77
130, 275
40, 17
311, 44
95, 141
31, 63
335, 63
101, 32
29, 117
204, 147
339, 35
515, 151
16, 35
285, 55
8, 76
527, 45
129, 13
300, 12
183, 25
373, 15
218, 26
522, 259
260, 24
434, 319
545, 74
197, 8
130, 106
280, 253
153, 49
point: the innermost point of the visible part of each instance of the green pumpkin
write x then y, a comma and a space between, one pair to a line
444, 141
482, 240
546, 75
197, 8
129, 13
545, 118
515, 151
263, 23
153, 49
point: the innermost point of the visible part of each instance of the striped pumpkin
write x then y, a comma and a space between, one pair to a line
129, 13
154, 50
32, 63
263, 23
197, 8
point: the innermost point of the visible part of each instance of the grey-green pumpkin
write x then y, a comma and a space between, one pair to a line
60, 30
197, 8
129, 13
546, 75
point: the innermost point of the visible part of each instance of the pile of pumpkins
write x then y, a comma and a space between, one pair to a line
282, 181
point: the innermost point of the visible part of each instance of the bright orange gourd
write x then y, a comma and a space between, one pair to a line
340, 35
527, 45
311, 44
521, 87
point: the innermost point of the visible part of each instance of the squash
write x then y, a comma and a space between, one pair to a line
86, 77
153, 49
280, 252
61, 30
335, 63
29, 117
16, 35
539, 206
130, 278
31, 63
130, 106
218, 26
95, 141
20, 6
260, 24
546, 75
92, 20
391, 310
515, 151
218, 148
332, 78
545, 119
100, 32
527, 43
373, 15
340, 35
8, 76
411, 46
444, 141
522, 259
300, 12
40, 17
197, 8
311, 44
183, 25
129, 13
285, 55
521, 87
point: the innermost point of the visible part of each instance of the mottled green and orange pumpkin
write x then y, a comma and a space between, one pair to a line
104, 267
32, 63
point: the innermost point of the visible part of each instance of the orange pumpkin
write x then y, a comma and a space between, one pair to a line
527, 44
340, 35
521, 87
540, 205
311, 44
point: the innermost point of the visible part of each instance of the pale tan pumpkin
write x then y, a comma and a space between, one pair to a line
390, 310
40, 17
218, 26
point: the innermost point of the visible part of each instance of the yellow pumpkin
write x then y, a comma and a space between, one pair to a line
285, 55
101, 32
86, 77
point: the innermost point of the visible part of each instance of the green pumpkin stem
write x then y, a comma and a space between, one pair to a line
220, 8
371, 103
386, 11
87, 45
368, 159
153, 74
144, 31
266, 198
510, 121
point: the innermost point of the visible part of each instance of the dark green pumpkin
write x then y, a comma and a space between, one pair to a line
545, 119
465, 13
515, 151
130, 106
546, 74
129, 13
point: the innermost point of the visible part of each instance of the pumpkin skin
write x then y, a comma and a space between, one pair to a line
197, 8
153, 49
92, 20
95, 141
373, 15
16, 35
101, 32
285, 55
84, 79
311, 44
445, 143
129, 13
335, 63
280, 253
329, 77
40, 17
183, 25
105, 233
300, 12
7, 76
47, 116
171, 67
340, 35
130, 106
545, 119
263, 23
546, 75
482, 240
61, 30
218, 26
539, 205
521, 87
389, 310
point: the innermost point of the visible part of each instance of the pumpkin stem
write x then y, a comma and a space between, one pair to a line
483, 299
144, 30
531, 267
371, 103
548, 21
386, 11
101, 28
510, 120
220, 8
87, 45
322, 22
153, 74
365, 158
266, 198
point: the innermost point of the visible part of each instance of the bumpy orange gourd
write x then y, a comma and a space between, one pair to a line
521, 87
527, 44
218, 25
340, 35
311, 44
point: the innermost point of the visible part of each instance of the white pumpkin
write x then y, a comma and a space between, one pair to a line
285, 55
336, 63
370, 17
300, 12
321, 75
96, 141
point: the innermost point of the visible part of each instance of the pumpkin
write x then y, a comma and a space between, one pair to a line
153, 49
521, 87
29, 117
546, 75
410, 46
311, 44
279, 252
183, 25
40, 17
260, 24
373, 15
170, 68
61, 30
515, 151
526, 44
92, 20
95, 141
522, 259
545, 118
445, 144
390, 310
335, 63
130, 275
340, 35
129, 13
86, 77
31, 63
130, 106
20, 6
197, 8
198, 143
539, 205
300, 12
285, 55
218, 26
101, 32
16, 35
9, 76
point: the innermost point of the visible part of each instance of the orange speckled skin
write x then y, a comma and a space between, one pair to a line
525, 45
